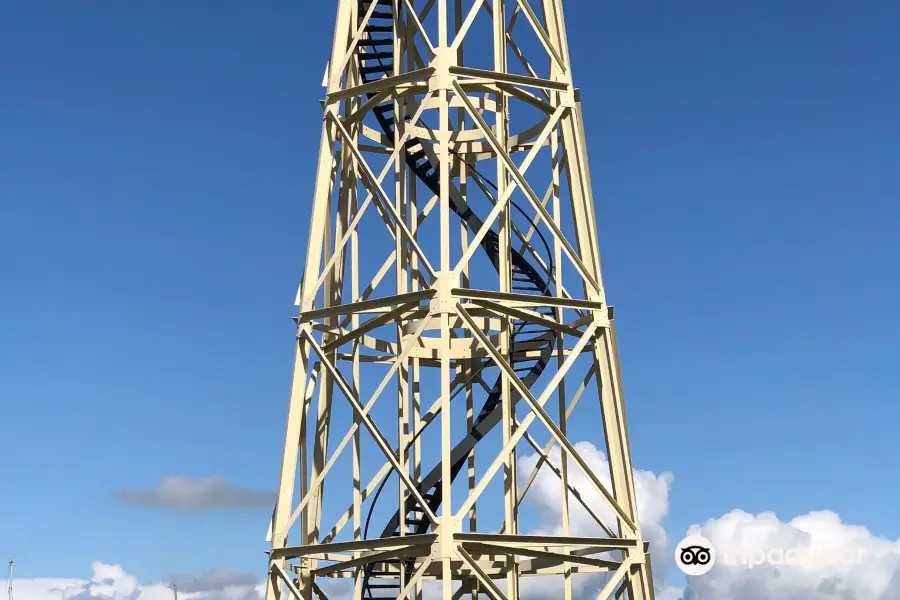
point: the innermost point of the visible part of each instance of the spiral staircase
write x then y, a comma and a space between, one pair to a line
531, 344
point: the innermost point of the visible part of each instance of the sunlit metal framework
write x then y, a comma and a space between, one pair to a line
407, 295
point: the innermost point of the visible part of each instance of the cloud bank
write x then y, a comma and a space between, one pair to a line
193, 495
817, 541
220, 578
112, 582
811, 557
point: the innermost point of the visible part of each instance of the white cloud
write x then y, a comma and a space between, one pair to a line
668, 593
545, 496
737, 536
205, 493
215, 579
820, 558
112, 582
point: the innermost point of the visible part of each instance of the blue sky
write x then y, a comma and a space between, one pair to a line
156, 165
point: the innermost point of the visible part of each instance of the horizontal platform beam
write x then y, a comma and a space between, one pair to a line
362, 546
366, 305
525, 299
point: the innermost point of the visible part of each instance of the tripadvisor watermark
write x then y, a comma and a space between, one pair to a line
696, 555
808, 556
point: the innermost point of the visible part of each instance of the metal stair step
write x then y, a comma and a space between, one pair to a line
383, 69
376, 55
377, 42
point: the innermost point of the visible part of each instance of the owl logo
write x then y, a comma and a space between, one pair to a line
695, 555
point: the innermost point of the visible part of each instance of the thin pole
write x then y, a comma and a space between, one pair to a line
9, 583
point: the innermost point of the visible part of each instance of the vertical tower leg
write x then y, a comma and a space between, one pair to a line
508, 313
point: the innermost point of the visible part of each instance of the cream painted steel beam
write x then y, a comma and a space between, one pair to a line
492, 305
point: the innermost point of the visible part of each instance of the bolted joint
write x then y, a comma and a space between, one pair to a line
601, 319
442, 78
445, 545
570, 98
638, 554
444, 301
302, 327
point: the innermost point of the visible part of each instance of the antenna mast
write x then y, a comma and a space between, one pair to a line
9, 585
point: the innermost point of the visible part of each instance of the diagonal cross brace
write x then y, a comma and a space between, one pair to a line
529, 193
464, 29
362, 412
538, 408
501, 203
340, 448
381, 197
526, 422
415, 19
542, 34
371, 195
